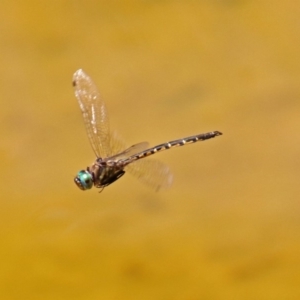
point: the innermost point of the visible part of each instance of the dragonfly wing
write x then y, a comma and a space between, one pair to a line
129, 151
94, 113
152, 173
117, 144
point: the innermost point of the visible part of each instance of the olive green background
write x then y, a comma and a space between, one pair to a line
229, 228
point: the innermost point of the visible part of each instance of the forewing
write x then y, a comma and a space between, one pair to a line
94, 113
152, 173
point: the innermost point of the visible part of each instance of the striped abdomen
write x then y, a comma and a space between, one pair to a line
171, 144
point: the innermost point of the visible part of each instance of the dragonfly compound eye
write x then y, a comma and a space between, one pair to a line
84, 180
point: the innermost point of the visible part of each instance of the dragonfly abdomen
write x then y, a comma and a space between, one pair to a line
171, 144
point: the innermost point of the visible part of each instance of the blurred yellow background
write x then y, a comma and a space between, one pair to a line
229, 228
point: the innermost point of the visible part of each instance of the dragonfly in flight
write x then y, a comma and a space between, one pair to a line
111, 159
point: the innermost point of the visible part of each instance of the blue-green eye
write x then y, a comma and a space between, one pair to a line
84, 180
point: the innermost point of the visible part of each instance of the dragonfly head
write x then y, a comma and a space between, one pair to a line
84, 180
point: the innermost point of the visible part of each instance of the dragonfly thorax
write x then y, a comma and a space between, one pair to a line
101, 174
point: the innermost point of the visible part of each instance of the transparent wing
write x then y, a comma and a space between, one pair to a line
130, 151
94, 113
117, 144
152, 173
120, 150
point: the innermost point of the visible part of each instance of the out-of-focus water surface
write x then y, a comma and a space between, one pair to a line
229, 228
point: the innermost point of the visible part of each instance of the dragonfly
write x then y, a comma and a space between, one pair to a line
112, 161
